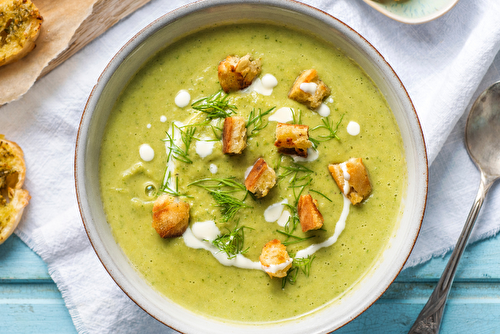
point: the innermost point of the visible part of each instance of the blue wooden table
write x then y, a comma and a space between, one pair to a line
31, 303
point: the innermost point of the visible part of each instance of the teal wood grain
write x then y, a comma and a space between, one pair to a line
31, 303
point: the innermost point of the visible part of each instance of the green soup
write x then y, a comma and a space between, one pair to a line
193, 278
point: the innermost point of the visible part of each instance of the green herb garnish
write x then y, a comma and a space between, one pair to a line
255, 119
319, 193
215, 106
299, 265
223, 185
232, 242
229, 205
171, 191
297, 117
176, 151
297, 239
332, 131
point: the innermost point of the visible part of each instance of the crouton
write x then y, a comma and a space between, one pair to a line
309, 216
274, 259
309, 90
20, 24
292, 139
260, 179
170, 217
234, 135
237, 73
13, 199
352, 178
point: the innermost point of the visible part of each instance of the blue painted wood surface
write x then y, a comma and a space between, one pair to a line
31, 303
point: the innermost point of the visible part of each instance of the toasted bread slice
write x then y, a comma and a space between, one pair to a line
234, 135
311, 99
237, 73
309, 216
274, 259
292, 139
356, 186
13, 199
20, 24
170, 217
260, 179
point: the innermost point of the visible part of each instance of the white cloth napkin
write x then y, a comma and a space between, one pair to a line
442, 63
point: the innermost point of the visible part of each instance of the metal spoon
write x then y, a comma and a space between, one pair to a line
482, 139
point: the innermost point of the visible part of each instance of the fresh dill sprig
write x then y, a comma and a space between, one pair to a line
224, 185
300, 178
332, 131
299, 265
292, 222
255, 119
216, 129
167, 189
219, 189
297, 116
232, 242
319, 193
297, 239
177, 152
215, 106
229, 205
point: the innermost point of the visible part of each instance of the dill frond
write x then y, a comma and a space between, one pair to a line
232, 242
215, 106
255, 120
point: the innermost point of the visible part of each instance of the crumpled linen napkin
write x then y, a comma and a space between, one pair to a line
442, 64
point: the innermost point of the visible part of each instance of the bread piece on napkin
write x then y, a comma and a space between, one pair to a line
13, 199
20, 24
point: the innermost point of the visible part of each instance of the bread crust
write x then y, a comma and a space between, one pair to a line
274, 259
234, 135
20, 26
13, 199
309, 216
237, 73
312, 101
170, 217
359, 182
292, 139
260, 179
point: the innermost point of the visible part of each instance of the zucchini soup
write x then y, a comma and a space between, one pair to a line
166, 137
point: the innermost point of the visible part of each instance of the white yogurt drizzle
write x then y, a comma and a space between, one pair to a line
323, 110
206, 232
262, 86
201, 234
182, 98
339, 227
204, 147
146, 152
353, 128
163, 119
274, 211
347, 177
213, 168
283, 219
282, 115
308, 87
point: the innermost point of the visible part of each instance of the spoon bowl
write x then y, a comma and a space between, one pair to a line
481, 139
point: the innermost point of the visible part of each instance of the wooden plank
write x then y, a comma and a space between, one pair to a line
18, 261
105, 14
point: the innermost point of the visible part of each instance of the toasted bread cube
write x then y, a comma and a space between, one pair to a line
274, 259
234, 135
237, 73
292, 139
309, 216
352, 178
303, 95
170, 217
260, 179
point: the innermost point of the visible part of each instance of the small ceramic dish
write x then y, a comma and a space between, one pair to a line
199, 15
412, 11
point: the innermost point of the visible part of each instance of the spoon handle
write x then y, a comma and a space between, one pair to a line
429, 319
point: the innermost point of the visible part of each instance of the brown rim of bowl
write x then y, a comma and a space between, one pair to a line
283, 4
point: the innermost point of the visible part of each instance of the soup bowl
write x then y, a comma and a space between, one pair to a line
195, 17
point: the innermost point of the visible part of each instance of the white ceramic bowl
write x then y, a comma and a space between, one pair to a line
203, 14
